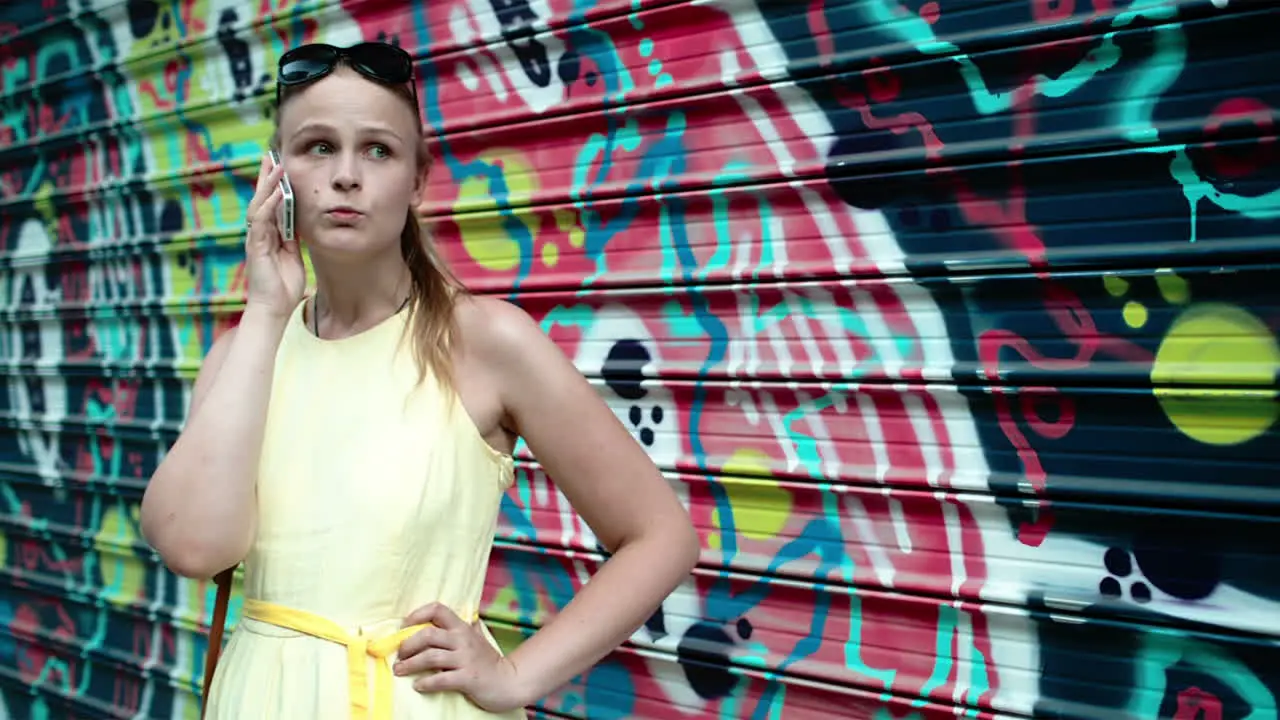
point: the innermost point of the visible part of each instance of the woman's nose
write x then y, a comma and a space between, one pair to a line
346, 173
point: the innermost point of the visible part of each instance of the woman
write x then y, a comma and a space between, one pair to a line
352, 447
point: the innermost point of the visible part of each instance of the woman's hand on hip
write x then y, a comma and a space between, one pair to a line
274, 267
453, 654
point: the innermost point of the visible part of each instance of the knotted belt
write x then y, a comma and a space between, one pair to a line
360, 647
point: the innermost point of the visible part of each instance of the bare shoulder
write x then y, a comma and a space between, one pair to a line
499, 333
575, 436
519, 361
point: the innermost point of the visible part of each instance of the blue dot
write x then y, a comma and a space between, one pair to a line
646, 47
655, 66
610, 693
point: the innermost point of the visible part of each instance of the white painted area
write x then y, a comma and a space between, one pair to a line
881, 564
614, 322
508, 73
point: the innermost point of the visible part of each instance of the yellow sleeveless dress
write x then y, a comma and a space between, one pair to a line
376, 495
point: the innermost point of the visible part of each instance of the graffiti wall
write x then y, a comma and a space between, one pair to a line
952, 322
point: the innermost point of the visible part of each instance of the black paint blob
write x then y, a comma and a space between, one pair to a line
704, 656
623, 369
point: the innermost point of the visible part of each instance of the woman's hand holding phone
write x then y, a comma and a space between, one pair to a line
276, 275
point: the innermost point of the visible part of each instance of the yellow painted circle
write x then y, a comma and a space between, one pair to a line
760, 508
485, 236
1215, 345
1135, 314
550, 255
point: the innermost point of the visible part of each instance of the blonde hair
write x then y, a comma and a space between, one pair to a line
434, 289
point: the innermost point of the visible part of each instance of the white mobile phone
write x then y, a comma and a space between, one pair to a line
284, 211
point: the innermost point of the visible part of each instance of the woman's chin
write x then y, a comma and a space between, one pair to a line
346, 241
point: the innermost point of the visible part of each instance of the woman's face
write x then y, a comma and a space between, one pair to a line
350, 150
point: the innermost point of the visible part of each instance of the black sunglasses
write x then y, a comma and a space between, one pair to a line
380, 62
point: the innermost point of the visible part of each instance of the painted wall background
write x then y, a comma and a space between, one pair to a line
954, 323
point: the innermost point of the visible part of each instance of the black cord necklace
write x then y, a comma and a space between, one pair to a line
315, 312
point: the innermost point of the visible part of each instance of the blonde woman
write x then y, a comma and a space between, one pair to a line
351, 447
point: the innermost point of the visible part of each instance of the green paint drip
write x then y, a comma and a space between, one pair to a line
1196, 189
1137, 113
979, 676
944, 660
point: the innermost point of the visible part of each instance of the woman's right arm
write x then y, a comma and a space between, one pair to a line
199, 510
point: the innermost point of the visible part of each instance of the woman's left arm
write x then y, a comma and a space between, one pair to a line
611, 483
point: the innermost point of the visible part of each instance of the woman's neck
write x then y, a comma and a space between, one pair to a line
351, 298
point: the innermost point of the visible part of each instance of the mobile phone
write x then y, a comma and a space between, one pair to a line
284, 211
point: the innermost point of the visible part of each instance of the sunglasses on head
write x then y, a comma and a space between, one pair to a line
380, 62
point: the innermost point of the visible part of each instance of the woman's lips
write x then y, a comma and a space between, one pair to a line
344, 215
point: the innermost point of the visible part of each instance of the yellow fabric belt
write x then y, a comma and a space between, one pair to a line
360, 647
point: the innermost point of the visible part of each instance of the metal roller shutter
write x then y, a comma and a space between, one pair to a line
953, 322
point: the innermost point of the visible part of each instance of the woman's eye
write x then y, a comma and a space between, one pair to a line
379, 151
319, 147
